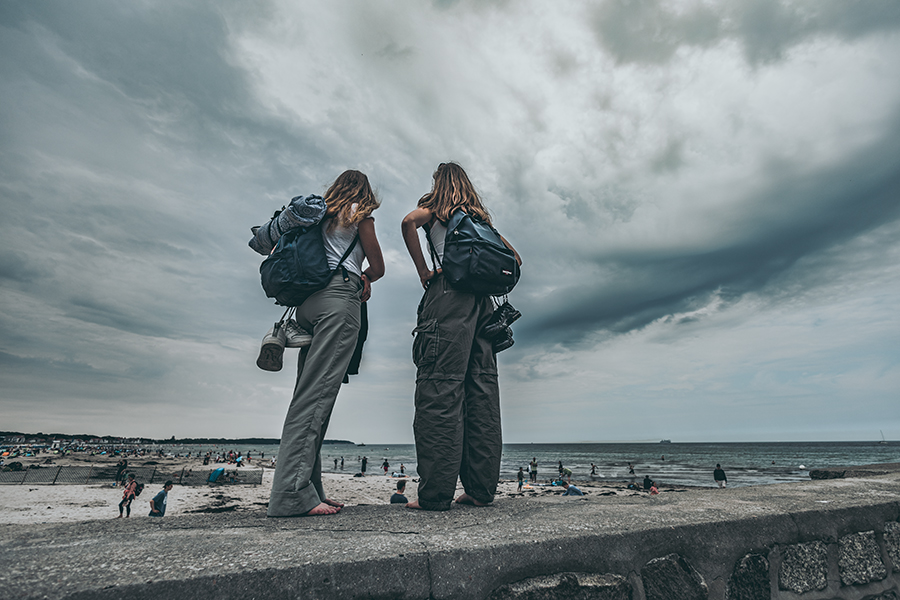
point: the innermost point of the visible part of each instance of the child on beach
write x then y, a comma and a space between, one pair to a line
127, 496
333, 316
457, 419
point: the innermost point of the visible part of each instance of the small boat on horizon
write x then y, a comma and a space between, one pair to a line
665, 441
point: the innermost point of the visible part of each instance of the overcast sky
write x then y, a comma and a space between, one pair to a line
706, 197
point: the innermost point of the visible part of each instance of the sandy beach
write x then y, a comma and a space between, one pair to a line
22, 504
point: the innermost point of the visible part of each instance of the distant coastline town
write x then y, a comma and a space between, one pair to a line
15, 444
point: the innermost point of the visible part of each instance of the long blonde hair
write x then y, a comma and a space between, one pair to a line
351, 187
451, 190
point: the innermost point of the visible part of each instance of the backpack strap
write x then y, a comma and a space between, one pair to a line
347, 252
435, 261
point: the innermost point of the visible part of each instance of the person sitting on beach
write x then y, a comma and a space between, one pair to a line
654, 491
457, 400
127, 496
571, 490
158, 503
398, 497
647, 482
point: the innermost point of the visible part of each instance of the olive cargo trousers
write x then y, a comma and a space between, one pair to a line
332, 315
457, 422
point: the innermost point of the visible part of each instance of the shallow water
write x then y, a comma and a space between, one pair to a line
758, 463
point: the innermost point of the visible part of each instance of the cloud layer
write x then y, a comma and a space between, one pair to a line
706, 198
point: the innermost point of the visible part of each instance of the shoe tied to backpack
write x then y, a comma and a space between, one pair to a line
504, 341
502, 318
271, 353
297, 337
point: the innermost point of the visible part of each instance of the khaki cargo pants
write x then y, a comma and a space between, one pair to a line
457, 422
332, 315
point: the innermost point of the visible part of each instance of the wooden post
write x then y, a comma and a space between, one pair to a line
55, 477
181, 477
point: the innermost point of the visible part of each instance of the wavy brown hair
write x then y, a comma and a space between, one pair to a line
451, 190
351, 187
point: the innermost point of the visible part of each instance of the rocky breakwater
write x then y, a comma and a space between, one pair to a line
816, 540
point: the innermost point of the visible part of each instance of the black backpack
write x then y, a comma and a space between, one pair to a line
475, 258
298, 267
138, 488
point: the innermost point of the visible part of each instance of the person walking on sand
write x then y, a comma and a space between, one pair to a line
521, 477
158, 503
127, 496
719, 476
120, 469
457, 419
534, 467
333, 316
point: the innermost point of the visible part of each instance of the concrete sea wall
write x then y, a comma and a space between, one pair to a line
817, 540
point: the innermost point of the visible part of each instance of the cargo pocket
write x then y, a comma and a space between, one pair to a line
426, 343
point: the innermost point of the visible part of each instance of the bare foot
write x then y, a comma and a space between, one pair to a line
323, 509
331, 502
414, 504
467, 499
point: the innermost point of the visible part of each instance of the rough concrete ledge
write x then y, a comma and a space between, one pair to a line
815, 540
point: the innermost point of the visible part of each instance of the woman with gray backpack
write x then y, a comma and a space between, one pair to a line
457, 335
332, 316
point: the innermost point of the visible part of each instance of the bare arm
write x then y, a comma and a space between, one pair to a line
372, 250
508, 245
409, 227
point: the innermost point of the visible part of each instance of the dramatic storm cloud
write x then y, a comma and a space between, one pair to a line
706, 197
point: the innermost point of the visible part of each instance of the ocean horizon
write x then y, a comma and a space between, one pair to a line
675, 463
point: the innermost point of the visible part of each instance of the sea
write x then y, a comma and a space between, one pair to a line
689, 464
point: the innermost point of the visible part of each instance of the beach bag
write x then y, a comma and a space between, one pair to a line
298, 267
303, 211
475, 258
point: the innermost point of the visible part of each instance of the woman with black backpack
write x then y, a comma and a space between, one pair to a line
332, 315
457, 421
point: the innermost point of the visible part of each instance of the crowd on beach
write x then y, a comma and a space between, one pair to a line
463, 321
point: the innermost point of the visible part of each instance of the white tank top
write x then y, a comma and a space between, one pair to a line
336, 243
438, 235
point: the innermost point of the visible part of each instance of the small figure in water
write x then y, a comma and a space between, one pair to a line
719, 476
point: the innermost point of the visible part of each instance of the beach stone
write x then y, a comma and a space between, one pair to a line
750, 579
892, 542
672, 577
827, 474
566, 586
860, 559
804, 567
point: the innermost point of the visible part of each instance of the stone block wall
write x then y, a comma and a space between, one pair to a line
863, 565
